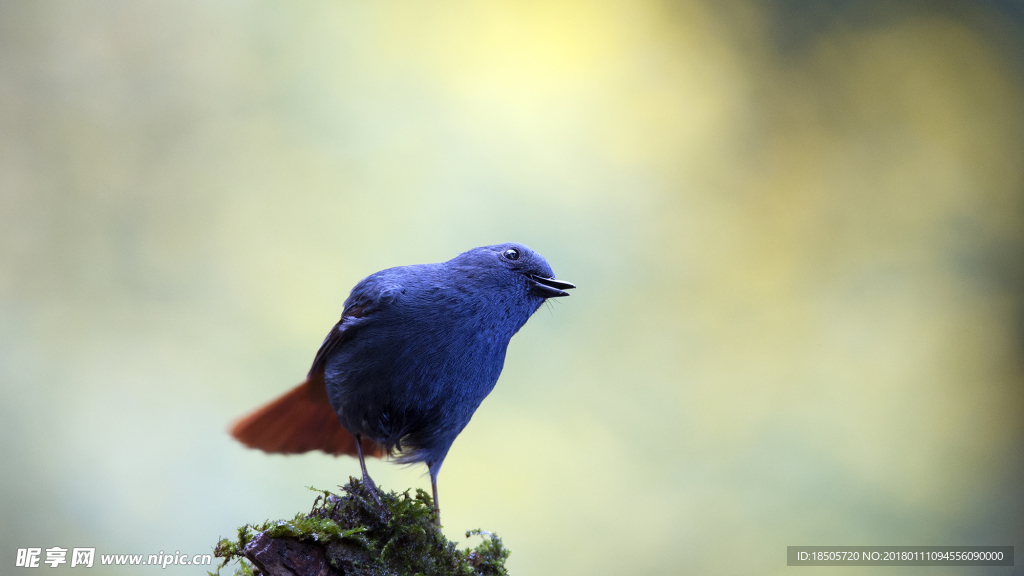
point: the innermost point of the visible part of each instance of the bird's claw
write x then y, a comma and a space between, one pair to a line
372, 489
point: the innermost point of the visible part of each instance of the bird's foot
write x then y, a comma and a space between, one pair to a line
372, 489
367, 481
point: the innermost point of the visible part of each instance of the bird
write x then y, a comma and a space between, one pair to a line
417, 349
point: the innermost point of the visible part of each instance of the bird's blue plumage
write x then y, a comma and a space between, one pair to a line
419, 347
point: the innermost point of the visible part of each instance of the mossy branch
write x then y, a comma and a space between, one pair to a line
351, 535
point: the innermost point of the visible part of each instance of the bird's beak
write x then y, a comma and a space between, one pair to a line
549, 287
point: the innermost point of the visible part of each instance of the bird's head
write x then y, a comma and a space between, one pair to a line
521, 264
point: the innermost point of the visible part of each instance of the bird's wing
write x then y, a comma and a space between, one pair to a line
303, 419
341, 333
367, 298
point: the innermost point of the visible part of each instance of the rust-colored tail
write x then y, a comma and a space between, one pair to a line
300, 421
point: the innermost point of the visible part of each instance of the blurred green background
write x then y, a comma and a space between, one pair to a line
797, 230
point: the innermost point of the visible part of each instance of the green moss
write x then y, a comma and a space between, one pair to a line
357, 536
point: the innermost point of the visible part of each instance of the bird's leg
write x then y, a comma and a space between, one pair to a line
367, 481
437, 509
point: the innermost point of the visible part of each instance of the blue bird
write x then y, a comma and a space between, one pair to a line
416, 351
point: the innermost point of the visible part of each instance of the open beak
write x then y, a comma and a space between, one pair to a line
549, 287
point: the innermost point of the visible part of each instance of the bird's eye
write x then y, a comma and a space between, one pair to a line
511, 254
